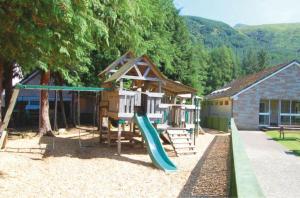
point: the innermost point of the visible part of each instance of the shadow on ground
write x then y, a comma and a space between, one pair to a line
292, 140
90, 148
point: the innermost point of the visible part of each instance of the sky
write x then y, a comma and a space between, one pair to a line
250, 12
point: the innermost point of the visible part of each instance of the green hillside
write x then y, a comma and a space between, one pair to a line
215, 34
280, 41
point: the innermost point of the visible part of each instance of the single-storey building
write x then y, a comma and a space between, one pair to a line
26, 111
268, 98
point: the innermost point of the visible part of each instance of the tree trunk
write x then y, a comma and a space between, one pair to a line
44, 120
1, 89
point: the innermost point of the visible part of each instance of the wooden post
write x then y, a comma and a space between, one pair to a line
62, 108
108, 132
8, 113
78, 108
55, 113
100, 126
159, 86
119, 137
121, 84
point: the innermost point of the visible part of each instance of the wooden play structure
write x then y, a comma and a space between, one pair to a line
142, 104
138, 87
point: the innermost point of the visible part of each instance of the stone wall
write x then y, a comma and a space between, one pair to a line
285, 85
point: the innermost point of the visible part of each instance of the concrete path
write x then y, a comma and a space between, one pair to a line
277, 171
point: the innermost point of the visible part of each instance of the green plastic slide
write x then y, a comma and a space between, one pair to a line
155, 149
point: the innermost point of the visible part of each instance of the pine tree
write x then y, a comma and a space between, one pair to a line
52, 36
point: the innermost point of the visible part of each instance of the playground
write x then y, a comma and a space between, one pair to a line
32, 170
146, 139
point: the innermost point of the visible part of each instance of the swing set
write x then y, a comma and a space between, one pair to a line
18, 87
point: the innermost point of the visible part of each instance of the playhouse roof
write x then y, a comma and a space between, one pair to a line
236, 86
113, 65
131, 62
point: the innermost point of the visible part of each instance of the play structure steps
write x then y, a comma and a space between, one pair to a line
181, 141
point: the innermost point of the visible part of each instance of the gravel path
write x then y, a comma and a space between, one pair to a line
277, 170
211, 176
27, 170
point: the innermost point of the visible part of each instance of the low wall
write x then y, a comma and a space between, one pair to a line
243, 179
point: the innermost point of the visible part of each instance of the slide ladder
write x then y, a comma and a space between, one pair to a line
155, 149
181, 141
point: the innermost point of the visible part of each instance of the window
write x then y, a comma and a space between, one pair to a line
290, 112
34, 102
295, 107
295, 120
226, 102
264, 112
221, 102
263, 120
285, 120
264, 106
285, 106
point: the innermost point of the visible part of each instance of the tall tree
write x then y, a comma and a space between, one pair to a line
221, 67
262, 60
53, 35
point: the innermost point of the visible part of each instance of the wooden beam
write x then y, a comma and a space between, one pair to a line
119, 137
108, 132
113, 71
138, 71
55, 112
140, 78
147, 71
121, 84
9, 111
63, 88
78, 108
142, 63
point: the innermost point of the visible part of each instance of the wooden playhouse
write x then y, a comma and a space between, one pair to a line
137, 86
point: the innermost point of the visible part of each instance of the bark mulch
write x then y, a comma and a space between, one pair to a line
211, 176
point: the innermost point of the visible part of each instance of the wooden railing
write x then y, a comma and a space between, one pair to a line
153, 103
128, 100
178, 115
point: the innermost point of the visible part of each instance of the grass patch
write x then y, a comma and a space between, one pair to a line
291, 140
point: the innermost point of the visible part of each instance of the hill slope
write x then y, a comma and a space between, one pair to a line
281, 41
215, 34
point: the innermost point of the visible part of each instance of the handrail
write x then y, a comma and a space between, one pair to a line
245, 183
165, 105
62, 88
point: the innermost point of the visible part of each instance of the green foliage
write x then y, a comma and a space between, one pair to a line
254, 61
272, 44
53, 35
221, 68
282, 41
215, 34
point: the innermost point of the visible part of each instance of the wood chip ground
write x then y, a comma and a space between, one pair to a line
30, 170
211, 176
